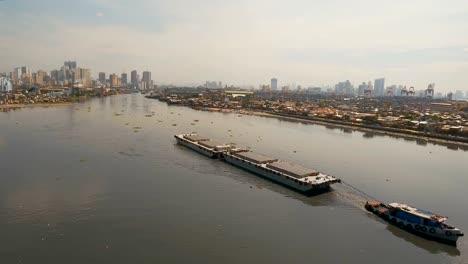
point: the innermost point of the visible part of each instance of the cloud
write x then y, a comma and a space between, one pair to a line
248, 41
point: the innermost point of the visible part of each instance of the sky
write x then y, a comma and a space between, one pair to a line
245, 42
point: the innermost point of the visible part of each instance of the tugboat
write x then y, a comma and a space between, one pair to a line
417, 221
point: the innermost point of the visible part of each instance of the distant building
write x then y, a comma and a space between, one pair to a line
147, 78
76, 75
5, 85
123, 79
134, 77
54, 75
344, 88
102, 77
379, 87
70, 64
274, 84
458, 95
211, 85
114, 80
40, 77
86, 77
362, 88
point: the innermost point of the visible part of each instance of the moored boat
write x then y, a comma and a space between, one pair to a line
417, 221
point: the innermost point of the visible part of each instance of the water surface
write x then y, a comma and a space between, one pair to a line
104, 182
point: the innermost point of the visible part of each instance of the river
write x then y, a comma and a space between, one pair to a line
104, 182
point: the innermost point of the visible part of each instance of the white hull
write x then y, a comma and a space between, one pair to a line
288, 181
200, 149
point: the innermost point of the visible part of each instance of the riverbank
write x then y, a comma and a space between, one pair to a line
408, 134
15, 106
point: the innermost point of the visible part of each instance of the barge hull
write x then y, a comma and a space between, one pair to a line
286, 181
201, 150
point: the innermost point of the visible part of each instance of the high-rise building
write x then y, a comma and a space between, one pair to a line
54, 75
70, 64
86, 76
344, 88
40, 77
102, 77
114, 80
147, 78
274, 84
16, 75
379, 87
76, 75
123, 79
362, 88
5, 85
134, 77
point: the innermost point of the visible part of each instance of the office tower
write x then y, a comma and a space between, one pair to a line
76, 75
123, 78
40, 77
70, 64
379, 87
114, 80
102, 77
134, 77
147, 78
274, 84
5, 85
85, 76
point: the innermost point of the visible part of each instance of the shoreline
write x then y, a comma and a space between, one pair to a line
18, 106
402, 134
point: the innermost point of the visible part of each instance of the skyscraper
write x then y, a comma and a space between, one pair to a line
123, 78
379, 87
274, 84
70, 64
114, 80
134, 77
147, 78
85, 76
5, 85
102, 77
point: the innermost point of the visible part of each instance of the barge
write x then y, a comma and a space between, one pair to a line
203, 145
416, 221
292, 175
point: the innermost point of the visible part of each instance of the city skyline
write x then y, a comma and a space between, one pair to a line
307, 42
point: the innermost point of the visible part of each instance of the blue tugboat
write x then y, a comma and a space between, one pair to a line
417, 221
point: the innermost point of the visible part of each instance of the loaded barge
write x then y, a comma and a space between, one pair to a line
416, 221
292, 175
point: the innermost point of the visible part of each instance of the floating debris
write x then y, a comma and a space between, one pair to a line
174, 124
192, 124
148, 115
137, 127
127, 124
117, 114
82, 160
196, 120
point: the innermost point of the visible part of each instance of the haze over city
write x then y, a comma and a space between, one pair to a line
245, 42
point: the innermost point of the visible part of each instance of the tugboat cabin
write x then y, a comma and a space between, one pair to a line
416, 216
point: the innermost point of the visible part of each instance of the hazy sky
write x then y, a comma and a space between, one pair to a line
307, 42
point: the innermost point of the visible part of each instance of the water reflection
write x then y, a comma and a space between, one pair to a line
430, 246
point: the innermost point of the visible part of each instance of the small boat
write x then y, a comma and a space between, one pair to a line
417, 221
